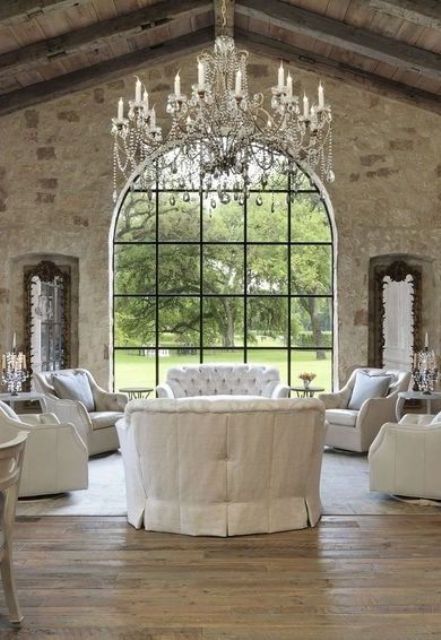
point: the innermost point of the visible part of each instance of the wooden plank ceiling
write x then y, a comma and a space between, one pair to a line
50, 48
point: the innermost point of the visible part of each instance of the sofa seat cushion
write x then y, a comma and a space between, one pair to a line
104, 419
343, 417
74, 386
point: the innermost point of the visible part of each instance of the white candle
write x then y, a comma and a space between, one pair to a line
177, 85
305, 106
281, 77
426, 340
138, 88
201, 75
3, 361
321, 96
24, 361
289, 85
120, 109
14, 341
145, 99
153, 118
238, 88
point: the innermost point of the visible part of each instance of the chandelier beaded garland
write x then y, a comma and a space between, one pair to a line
221, 137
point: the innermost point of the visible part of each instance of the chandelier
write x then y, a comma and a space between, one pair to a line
221, 137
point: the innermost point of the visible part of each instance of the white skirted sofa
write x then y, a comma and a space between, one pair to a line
404, 458
74, 396
222, 379
55, 458
222, 466
356, 412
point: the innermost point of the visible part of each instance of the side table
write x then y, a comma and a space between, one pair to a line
22, 396
415, 395
306, 392
137, 392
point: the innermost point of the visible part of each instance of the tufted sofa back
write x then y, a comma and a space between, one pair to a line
223, 379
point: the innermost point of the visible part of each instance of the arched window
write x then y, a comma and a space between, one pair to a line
249, 279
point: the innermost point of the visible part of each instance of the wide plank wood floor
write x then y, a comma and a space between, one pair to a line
352, 577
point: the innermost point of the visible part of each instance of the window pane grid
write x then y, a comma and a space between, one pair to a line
211, 297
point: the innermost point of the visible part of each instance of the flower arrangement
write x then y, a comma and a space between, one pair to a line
307, 377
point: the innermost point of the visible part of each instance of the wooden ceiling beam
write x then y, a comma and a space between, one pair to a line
104, 71
20, 10
147, 18
344, 36
425, 13
224, 17
262, 45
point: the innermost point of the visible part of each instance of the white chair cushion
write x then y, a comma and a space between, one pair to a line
368, 386
74, 386
344, 417
104, 419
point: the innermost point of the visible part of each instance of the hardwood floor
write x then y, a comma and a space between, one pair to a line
353, 577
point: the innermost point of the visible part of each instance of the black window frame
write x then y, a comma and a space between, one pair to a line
291, 192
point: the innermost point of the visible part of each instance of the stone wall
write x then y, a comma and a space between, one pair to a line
56, 197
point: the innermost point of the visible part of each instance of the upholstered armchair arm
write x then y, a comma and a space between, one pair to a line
416, 418
164, 390
69, 411
333, 400
108, 401
280, 391
374, 413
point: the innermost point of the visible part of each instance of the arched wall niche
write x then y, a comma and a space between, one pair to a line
401, 288
19, 269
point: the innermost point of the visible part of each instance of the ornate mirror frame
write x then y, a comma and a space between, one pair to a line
397, 269
47, 272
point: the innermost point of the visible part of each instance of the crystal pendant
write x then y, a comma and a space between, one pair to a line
259, 200
172, 201
330, 176
225, 197
213, 203
273, 207
186, 197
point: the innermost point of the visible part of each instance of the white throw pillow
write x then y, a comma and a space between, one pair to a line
368, 386
74, 386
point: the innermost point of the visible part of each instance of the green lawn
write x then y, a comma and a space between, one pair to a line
132, 369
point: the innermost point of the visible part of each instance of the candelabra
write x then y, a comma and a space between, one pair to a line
14, 371
425, 370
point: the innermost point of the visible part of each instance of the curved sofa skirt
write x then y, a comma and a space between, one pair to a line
222, 466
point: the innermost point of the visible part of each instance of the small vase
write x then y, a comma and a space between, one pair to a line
306, 383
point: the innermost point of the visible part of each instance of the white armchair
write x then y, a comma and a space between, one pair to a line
93, 410
55, 458
223, 380
354, 429
404, 458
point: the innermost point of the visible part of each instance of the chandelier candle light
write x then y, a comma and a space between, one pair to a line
14, 369
220, 129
